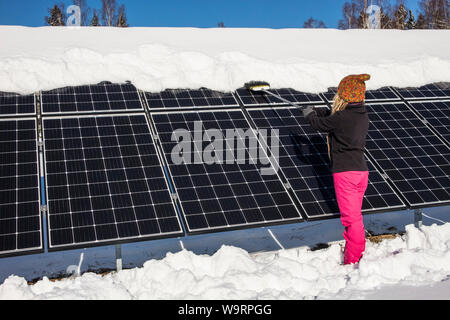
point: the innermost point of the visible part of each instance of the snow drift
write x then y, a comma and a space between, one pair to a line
154, 59
421, 256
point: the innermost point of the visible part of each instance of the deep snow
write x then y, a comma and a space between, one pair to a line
154, 59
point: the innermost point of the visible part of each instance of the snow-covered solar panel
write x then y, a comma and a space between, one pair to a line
99, 98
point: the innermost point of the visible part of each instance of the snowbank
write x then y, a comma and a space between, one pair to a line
33, 59
419, 257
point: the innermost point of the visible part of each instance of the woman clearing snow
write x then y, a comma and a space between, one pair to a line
347, 126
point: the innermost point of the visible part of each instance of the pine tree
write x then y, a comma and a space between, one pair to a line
421, 24
400, 17
95, 21
411, 24
56, 17
386, 22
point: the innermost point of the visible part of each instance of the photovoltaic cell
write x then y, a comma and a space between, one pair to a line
303, 159
187, 99
98, 98
252, 98
410, 154
105, 182
20, 218
219, 195
437, 114
381, 94
16, 105
429, 91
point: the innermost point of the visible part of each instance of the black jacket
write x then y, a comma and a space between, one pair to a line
347, 131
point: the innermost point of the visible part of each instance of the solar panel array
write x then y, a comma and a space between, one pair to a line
303, 159
20, 222
109, 179
221, 195
104, 181
410, 154
259, 98
98, 98
185, 99
382, 94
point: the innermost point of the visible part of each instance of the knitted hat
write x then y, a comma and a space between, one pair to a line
352, 88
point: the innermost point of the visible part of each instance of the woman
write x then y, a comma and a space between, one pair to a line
347, 126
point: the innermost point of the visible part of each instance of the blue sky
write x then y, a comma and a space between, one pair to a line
195, 13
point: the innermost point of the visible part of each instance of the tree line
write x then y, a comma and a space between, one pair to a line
110, 14
432, 14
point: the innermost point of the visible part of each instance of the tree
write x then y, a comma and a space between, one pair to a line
95, 22
57, 16
421, 24
436, 13
313, 23
109, 12
349, 11
122, 20
400, 16
411, 24
386, 22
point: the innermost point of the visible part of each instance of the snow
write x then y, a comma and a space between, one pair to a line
154, 59
415, 265
245, 264
419, 257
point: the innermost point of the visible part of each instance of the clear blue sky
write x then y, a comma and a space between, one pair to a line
195, 13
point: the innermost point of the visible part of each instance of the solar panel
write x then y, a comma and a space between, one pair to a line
303, 159
251, 98
382, 94
221, 195
187, 99
105, 183
20, 218
410, 154
100, 98
429, 91
12, 104
437, 114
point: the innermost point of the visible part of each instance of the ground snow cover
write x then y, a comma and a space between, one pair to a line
154, 59
420, 257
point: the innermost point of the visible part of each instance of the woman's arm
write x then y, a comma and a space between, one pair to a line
322, 112
325, 124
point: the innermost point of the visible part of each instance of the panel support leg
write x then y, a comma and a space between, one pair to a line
118, 257
181, 244
276, 240
418, 218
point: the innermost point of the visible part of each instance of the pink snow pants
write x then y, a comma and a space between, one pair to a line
350, 187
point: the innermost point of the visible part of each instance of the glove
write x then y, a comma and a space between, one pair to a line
308, 110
